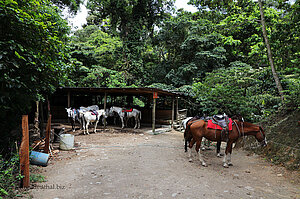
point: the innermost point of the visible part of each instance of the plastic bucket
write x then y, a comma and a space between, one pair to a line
39, 158
66, 142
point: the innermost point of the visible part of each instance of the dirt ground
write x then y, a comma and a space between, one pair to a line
125, 164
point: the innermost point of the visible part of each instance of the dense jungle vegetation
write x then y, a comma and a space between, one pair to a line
217, 55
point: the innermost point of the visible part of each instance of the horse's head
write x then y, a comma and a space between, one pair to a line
261, 137
111, 111
69, 111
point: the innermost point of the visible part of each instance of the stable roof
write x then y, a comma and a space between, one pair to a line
120, 91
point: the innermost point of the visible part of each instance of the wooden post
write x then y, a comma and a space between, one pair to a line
24, 153
47, 140
173, 111
69, 99
153, 115
105, 101
177, 111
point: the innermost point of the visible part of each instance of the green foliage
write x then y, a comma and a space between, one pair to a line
36, 178
9, 176
293, 91
33, 57
161, 86
97, 56
98, 76
133, 21
239, 90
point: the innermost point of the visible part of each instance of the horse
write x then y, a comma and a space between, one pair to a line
199, 129
124, 116
73, 115
90, 116
184, 125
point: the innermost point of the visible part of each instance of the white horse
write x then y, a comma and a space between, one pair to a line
90, 117
73, 115
124, 116
183, 124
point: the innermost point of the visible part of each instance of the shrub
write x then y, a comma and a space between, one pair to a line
9, 176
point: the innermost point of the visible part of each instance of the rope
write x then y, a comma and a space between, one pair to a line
285, 145
294, 148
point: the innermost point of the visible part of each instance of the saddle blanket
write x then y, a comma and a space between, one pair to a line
94, 112
127, 110
211, 125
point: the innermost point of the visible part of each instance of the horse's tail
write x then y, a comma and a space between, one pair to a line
140, 115
187, 135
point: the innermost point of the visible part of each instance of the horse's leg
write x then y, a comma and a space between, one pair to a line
79, 120
87, 127
136, 122
122, 120
198, 144
73, 124
95, 130
185, 145
83, 124
227, 157
191, 144
202, 144
219, 149
126, 121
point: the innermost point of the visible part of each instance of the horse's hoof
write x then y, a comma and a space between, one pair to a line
225, 165
203, 148
190, 160
204, 164
219, 155
230, 164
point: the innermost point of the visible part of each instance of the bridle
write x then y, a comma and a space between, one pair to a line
242, 134
237, 127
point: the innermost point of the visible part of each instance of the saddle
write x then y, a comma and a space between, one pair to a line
221, 120
93, 112
127, 110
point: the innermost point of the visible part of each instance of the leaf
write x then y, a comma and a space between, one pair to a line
3, 191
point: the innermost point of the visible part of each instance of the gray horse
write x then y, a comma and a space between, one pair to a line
124, 116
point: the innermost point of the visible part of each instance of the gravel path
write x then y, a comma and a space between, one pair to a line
115, 165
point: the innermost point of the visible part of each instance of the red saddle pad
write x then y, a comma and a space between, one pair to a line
127, 110
211, 125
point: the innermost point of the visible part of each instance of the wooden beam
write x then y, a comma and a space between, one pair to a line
47, 138
69, 99
153, 115
24, 153
177, 111
105, 101
173, 111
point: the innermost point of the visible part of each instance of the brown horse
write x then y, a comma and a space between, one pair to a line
198, 129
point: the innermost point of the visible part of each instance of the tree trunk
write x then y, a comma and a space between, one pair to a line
42, 130
277, 81
36, 119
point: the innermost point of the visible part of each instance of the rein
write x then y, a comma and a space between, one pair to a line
243, 132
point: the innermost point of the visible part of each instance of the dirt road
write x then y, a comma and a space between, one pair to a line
118, 165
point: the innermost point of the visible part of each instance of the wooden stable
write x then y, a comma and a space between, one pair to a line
160, 106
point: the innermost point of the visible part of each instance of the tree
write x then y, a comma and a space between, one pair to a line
277, 81
134, 22
96, 57
33, 57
